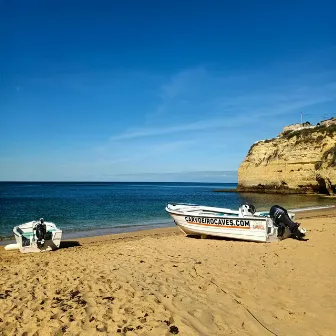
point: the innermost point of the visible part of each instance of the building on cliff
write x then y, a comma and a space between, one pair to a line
299, 160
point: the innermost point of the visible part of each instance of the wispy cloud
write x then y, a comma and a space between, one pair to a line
228, 101
146, 132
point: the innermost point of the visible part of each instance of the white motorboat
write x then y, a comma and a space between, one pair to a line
36, 236
243, 224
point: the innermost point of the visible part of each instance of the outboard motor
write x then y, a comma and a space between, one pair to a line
41, 230
281, 220
248, 210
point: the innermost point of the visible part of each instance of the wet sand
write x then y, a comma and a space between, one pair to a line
160, 282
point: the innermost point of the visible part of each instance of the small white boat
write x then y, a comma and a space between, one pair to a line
243, 224
36, 236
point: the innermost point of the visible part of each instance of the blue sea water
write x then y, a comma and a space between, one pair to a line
82, 209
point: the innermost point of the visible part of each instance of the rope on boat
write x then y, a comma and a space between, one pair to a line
273, 333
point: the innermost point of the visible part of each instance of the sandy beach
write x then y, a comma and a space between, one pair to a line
160, 282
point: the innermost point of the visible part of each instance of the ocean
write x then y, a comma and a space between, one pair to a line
87, 209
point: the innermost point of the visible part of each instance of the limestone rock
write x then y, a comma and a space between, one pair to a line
302, 160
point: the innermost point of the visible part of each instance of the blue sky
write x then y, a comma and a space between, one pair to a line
156, 90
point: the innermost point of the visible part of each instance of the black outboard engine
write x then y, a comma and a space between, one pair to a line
41, 230
281, 219
252, 209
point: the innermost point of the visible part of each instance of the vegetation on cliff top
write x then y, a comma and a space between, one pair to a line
303, 135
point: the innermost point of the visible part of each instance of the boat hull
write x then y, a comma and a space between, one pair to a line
259, 230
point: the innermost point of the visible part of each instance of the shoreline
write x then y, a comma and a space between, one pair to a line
115, 230
302, 214
129, 229
169, 231
100, 232
273, 192
135, 233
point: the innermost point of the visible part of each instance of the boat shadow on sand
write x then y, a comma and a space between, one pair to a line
69, 243
233, 239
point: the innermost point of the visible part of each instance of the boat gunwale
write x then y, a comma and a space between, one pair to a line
192, 213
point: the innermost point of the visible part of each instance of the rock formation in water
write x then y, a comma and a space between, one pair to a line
302, 159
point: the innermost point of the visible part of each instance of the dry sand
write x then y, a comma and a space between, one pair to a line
162, 283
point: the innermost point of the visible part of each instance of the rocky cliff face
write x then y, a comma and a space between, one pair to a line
298, 161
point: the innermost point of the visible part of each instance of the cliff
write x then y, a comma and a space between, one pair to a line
300, 160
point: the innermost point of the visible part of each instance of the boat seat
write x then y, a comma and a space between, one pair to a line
245, 210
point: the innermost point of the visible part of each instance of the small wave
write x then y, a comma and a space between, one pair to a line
313, 208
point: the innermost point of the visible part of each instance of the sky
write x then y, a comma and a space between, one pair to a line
156, 90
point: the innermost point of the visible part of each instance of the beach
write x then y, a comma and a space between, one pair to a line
160, 282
